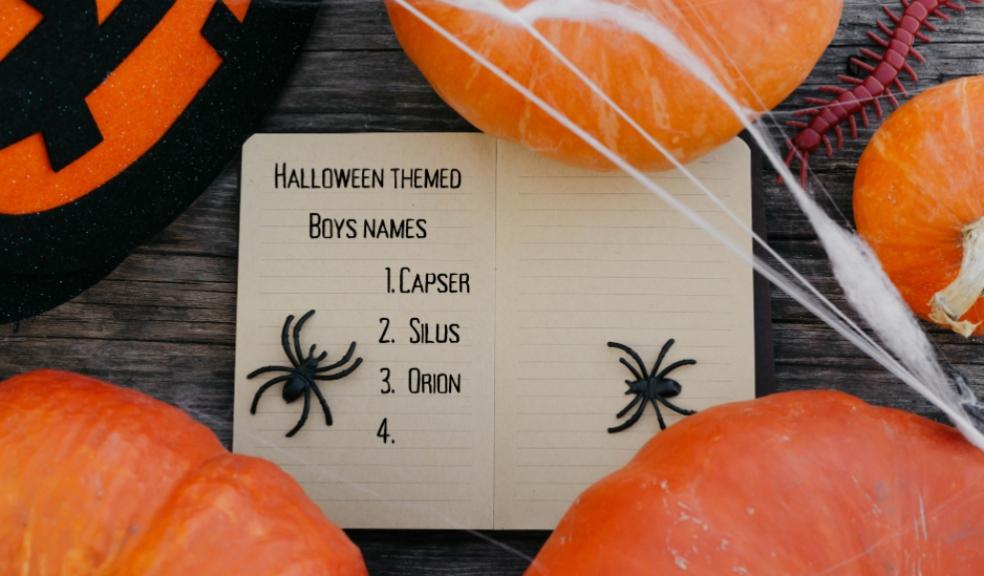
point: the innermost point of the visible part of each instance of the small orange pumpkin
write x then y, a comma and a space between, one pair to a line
761, 50
796, 483
919, 202
96, 479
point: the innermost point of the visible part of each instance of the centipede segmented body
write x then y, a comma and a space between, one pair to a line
882, 78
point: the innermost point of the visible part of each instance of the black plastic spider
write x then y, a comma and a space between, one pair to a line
303, 373
650, 386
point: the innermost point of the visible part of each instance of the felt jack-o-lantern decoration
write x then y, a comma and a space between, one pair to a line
641, 53
116, 114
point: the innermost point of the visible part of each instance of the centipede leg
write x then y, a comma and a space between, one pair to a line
891, 15
891, 97
898, 84
790, 156
874, 37
885, 29
863, 65
828, 145
805, 112
877, 105
908, 69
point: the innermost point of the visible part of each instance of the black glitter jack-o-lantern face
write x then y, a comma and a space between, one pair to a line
116, 115
46, 58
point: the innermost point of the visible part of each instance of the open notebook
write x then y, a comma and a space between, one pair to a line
482, 284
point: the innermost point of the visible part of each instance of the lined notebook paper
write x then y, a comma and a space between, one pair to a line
481, 285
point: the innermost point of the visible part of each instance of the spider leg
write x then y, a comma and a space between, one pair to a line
286, 343
322, 356
659, 414
675, 408
634, 355
628, 423
346, 358
674, 366
304, 413
266, 369
662, 354
341, 374
631, 369
297, 334
324, 403
264, 388
629, 406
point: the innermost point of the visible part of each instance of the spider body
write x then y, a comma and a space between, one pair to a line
301, 378
649, 386
298, 383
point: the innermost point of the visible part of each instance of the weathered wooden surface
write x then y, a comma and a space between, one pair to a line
164, 321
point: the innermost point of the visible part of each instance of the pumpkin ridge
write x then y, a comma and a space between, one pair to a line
109, 568
101, 473
83, 436
239, 491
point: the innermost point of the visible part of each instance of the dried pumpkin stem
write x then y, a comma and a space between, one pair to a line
949, 304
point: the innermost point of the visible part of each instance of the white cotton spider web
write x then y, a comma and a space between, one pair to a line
910, 355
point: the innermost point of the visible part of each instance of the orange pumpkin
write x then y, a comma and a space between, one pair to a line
761, 50
919, 202
796, 483
96, 479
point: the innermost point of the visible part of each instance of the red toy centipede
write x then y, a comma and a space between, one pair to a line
884, 76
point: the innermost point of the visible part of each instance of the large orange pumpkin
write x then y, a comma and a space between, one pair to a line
760, 49
96, 479
792, 484
919, 202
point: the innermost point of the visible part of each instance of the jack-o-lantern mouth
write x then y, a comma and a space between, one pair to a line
90, 86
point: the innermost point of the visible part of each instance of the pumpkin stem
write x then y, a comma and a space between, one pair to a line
952, 302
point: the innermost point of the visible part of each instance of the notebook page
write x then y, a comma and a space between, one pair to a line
584, 258
349, 226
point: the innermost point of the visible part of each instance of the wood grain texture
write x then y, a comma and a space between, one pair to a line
164, 321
